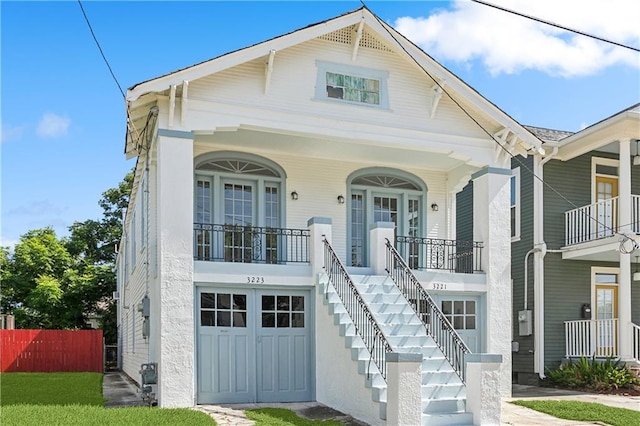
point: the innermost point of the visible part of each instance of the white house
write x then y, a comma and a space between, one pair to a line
253, 266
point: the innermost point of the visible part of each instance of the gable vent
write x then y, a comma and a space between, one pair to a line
346, 35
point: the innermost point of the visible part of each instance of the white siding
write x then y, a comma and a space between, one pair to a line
292, 91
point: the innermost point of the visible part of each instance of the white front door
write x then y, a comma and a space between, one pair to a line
462, 313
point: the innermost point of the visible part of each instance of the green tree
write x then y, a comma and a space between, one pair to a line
93, 243
49, 282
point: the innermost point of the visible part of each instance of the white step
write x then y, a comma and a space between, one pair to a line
442, 419
443, 394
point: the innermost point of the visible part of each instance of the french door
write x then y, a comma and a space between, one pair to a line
606, 193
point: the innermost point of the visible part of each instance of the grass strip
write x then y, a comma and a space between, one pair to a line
86, 415
284, 417
584, 411
51, 388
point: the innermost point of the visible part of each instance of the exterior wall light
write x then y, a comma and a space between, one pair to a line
636, 274
294, 195
340, 199
434, 207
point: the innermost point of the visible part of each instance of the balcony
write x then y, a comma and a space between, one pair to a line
250, 244
598, 221
431, 253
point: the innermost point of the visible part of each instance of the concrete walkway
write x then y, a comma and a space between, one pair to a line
516, 415
121, 391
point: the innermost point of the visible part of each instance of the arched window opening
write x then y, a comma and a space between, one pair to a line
238, 213
383, 195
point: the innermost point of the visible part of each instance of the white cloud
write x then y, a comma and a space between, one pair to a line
11, 133
507, 43
52, 125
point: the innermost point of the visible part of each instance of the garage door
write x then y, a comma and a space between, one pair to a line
254, 345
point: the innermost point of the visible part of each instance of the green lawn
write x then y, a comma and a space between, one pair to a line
28, 399
284, 417
51, 388
584, 411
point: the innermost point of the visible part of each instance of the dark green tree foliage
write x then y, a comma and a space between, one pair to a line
49, 282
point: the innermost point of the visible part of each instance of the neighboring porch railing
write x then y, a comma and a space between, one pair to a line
363, 320
592, 222
635, 330
250, 244
588, 338
437, 324
432, 253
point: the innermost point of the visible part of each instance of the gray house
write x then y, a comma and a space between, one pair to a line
575, 247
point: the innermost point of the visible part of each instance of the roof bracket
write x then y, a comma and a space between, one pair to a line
356, 42
172, 104
437, 95
184, 102
501, 139
268, 70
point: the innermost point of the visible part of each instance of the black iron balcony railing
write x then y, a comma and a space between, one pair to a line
435, 321
432, 253
363, 320
250, 244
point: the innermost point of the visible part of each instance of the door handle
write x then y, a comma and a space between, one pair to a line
259, 339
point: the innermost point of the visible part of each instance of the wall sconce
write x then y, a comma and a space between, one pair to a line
636, 159
340, 199
294, 195
636, 274
434, 207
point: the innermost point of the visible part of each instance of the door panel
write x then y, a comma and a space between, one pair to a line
606, 190
606, 311
462, 313
284, 347
225, 353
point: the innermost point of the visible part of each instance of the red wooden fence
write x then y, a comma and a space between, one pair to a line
50, 350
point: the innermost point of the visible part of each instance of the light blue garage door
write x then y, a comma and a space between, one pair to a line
254, 346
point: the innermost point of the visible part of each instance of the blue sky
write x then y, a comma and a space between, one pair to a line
62, 114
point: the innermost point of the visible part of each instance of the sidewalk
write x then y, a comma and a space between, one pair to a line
516, 415
120, 391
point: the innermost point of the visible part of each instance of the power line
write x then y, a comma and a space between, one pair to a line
521, 163
130, 123
553, 24
100, 49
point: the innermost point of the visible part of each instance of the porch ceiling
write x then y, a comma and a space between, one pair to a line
422, 157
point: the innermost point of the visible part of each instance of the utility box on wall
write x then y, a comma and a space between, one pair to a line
525, 325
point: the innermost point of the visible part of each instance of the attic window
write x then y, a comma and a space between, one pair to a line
352, 88
354, 85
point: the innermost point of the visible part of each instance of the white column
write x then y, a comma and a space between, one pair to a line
175, 244
624, 221
491, 226
404, 395
319, 228
379, 232
483, 378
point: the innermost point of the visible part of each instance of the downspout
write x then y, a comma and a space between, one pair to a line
538, 261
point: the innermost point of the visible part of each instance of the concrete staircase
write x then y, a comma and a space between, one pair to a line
443, 393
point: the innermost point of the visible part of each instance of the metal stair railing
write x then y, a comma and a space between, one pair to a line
366, 325
436, 323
